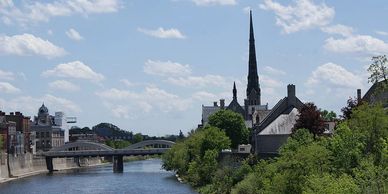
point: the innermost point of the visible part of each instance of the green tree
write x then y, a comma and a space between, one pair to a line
310, 118
328, 184
138, 137
195, 158
328, 116
233, 124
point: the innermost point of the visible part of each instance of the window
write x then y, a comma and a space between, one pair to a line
47, 134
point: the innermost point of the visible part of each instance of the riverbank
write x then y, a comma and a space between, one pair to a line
26, 165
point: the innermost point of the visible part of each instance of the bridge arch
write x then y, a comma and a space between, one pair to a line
152, 143
82, 145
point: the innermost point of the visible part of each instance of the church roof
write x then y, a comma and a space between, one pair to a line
284, 106
371, 96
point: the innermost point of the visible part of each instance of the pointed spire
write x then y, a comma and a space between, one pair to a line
234, 91
253, 78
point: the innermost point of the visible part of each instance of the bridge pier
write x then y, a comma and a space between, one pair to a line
118, 166
49, 164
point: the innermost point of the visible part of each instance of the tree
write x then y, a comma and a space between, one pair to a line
138, 137
378, 69
310, 118
181, 136
328, 116
233, 124
347, 110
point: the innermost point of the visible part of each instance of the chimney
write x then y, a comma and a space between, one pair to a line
215, 104
291, 90
11, 113
291, 94
358, 95
222, 103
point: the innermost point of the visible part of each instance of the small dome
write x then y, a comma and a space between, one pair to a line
43, 109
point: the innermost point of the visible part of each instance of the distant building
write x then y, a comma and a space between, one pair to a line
276, 127
22, 130
376, 93
77, 134
252, 103
48, 134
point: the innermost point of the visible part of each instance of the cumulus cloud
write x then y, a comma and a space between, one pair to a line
166, 68
304, 14
383, 33
75, 69
273, 71
162, 33
270, 82
151, 99
28, 44
8, 88
356, 44
33, 11
214, 2
199, 81
6, 75
30, 105
63, 85
338, 29
204, 96
334, 75
73, 34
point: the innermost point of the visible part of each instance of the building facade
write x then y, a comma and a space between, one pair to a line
48, 134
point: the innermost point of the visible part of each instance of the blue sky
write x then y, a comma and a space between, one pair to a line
148, 66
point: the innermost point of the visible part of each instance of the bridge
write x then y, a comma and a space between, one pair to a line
91, 149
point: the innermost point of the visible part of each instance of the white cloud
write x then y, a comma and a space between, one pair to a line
29, 105
75, 69
28, 44
32, 11
204, 96
356, 44
303, 15
338, 29
335, 76
273, 71
6, 75
8, 88
383, 33
269, 82
63, 85
162, 33
214, 2
73, 34
166, 68
151, 99
200, 81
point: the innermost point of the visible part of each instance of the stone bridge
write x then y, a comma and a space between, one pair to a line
91, 149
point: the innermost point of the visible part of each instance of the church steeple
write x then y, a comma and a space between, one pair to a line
234, 91
253, 89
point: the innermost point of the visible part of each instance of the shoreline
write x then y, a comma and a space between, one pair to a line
38, 172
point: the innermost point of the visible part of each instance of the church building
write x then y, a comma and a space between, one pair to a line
252, 103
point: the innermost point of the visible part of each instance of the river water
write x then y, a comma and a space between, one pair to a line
138, 177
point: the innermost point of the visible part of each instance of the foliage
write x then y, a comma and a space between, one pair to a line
353, 160
348, 109
117, 144
310, 118
328, 116
196, 158
378, 69
138, 137
330, 184
110, 130
233, 124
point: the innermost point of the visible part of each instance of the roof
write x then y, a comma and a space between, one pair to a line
236, 107
371, 96
284, 106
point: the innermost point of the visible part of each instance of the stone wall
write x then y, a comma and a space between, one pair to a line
26, 164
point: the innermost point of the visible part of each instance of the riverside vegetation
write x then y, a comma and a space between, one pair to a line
353, 160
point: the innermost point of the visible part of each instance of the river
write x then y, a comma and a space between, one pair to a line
139, 177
